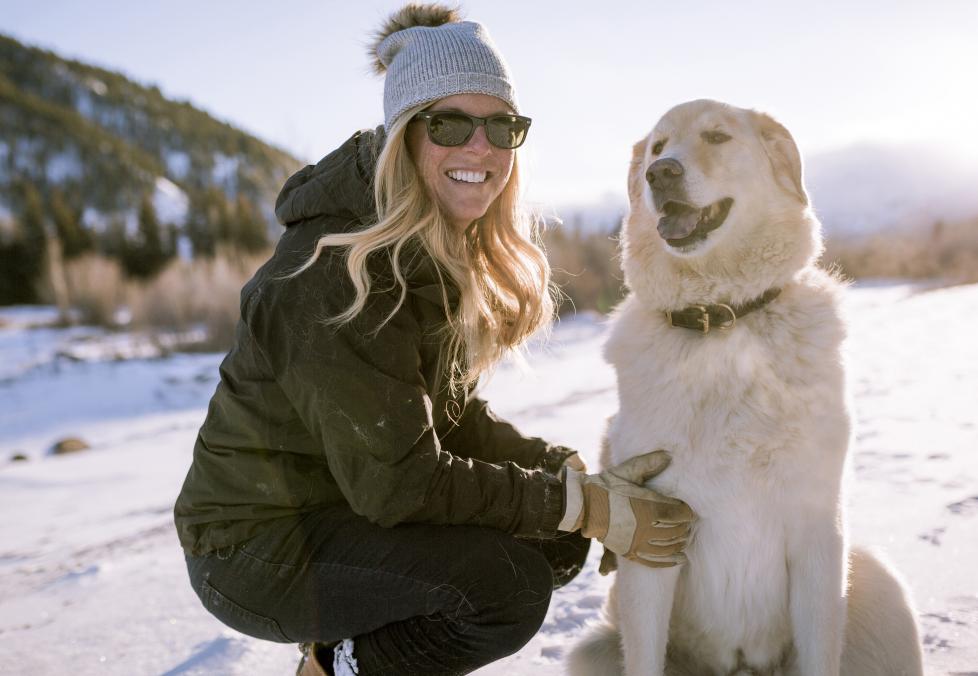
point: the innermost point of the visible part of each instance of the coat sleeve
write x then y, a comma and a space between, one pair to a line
481, 434
359, 391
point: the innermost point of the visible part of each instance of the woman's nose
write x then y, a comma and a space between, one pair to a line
479, 142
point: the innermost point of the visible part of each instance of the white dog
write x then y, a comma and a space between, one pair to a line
728, 355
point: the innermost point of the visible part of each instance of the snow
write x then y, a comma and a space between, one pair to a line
170, 202
96, 86
94, 219
91, 573
225, 172
64, 165
25, 155
177, 163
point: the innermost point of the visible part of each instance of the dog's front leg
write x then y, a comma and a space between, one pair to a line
645, 598
817, 573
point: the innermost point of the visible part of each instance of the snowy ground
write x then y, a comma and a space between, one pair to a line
92, 578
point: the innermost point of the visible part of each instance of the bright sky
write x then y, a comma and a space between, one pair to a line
594, 75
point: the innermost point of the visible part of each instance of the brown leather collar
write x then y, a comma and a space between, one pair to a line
702, 318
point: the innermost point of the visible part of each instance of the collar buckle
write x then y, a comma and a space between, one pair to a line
729, 323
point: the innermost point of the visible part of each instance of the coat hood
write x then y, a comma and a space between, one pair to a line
339, 185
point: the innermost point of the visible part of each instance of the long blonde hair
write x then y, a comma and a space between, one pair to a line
497, 264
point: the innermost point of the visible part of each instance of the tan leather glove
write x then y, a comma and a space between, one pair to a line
629, 519
575, 462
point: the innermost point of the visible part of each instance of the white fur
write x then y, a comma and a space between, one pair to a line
757, 422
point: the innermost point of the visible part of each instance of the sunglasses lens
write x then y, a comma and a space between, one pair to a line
449, 129
507, 131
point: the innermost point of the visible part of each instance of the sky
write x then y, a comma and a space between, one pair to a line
594, 76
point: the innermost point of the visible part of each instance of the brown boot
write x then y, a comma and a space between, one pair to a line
317, 660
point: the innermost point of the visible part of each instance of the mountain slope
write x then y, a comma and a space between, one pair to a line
105, 142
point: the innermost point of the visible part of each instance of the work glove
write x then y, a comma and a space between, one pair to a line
628, 519
575, 462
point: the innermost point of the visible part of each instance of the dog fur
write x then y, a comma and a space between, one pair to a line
757, 420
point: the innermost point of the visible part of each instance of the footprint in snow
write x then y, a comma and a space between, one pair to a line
966, 507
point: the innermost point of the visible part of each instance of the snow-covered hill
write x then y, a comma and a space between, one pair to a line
92, 577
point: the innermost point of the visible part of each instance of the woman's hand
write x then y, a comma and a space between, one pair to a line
630, 520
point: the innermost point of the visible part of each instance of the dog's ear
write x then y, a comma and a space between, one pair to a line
636, 173
783, 154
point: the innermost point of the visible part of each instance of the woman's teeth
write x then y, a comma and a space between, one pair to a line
468, 176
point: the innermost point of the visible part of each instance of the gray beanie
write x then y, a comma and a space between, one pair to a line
427, 54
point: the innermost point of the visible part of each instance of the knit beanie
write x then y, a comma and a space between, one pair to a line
427, 53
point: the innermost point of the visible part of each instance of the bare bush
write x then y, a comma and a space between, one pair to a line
948, 252
586, 269
189, 294
96, 288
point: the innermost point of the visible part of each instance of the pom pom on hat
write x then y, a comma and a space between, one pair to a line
412, 14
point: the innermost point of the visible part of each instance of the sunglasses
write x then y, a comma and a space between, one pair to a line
452, 128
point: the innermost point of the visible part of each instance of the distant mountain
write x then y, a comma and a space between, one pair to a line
866, 188
105, 143
855, 191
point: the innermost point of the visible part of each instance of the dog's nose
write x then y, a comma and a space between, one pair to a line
662, 173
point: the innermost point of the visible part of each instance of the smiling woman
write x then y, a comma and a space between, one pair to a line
348, 482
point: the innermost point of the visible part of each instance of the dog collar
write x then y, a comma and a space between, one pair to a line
702, 318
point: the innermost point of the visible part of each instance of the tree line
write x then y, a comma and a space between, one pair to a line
47, 230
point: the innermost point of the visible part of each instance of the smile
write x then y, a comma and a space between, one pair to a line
468, 176
683, 224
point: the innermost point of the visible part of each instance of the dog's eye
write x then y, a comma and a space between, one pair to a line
715, 137
657, 148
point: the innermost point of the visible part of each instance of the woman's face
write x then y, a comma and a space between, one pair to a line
448, 172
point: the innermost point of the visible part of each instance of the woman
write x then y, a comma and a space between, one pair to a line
348, 490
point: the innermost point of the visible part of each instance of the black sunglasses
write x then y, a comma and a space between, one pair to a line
452, 128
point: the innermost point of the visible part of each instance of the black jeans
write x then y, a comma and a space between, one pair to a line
416, 598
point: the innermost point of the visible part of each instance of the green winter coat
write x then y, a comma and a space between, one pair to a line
308, 415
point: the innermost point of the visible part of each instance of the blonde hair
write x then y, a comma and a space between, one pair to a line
497, 264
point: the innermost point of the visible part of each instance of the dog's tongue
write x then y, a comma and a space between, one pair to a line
679, 225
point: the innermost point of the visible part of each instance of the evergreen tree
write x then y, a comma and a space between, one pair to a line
22, 255
219, 216
33, 223
18, 274
251, 233
75, 239
112, 242
199, 228
146, 256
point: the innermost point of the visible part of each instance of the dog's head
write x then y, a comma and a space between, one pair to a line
713, 186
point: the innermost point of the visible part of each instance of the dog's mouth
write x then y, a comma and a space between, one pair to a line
683, 224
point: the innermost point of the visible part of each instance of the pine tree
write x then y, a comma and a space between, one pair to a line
146, 257
18, 275
219, 215
22, 257
199, 227
251, 235
75, 239
32, 223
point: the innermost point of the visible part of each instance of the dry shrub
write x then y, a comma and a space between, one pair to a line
190, 294
586, 269
948, 252
96, 288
